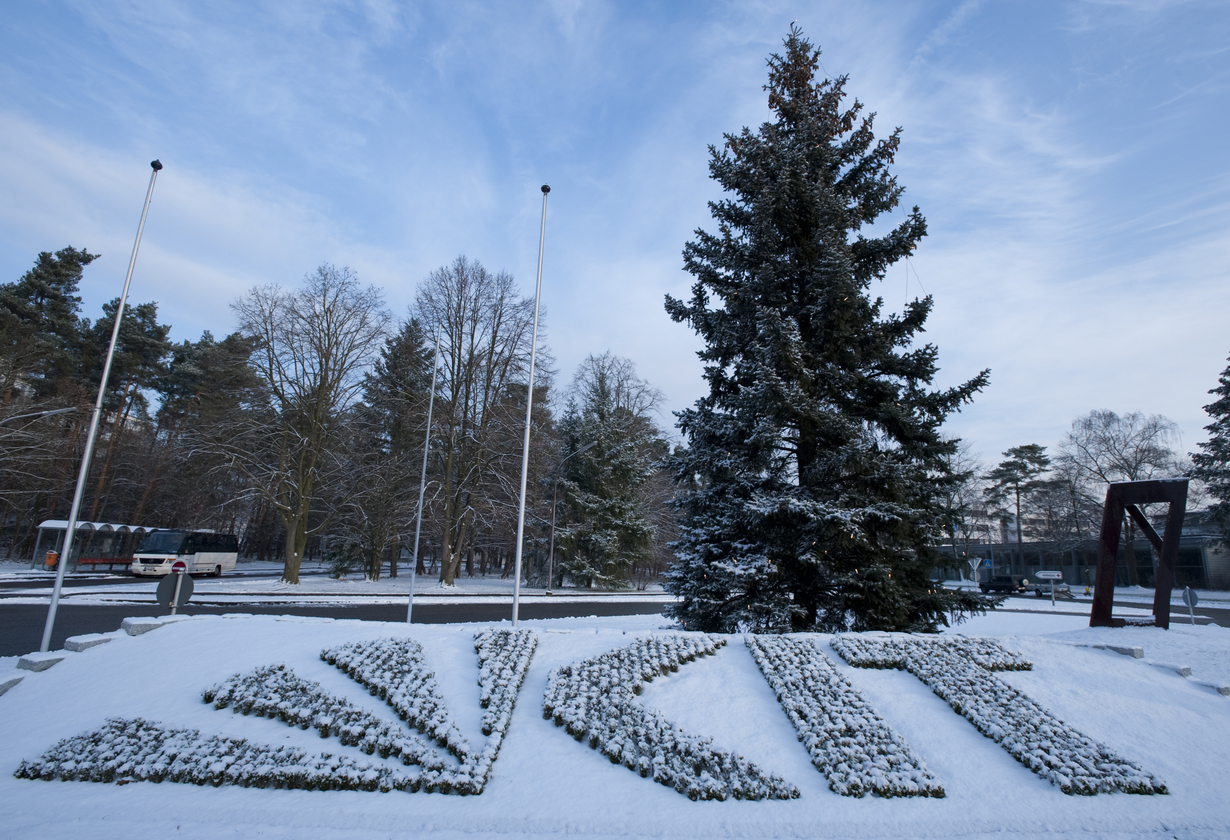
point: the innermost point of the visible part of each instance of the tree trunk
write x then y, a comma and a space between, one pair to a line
296, 540
121, 419
1020, 548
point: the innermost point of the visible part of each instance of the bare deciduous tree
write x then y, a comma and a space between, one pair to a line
313, 346
1104, 447
485, 334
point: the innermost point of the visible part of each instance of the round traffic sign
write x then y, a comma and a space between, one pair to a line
166, 591
1189, 597
179, 567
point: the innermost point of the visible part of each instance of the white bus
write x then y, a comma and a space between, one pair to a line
203, 551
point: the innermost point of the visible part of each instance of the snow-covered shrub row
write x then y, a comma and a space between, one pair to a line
847, 741
395, 671
886, 651
593, 701
142, 751
138, 750
276, 692
503, 658
954, 669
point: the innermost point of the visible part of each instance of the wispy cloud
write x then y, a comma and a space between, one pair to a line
1067, 156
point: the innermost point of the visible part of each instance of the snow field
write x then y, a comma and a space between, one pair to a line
593, 701
957, 670
546, 784
848, 742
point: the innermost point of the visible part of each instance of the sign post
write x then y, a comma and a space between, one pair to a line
176, 588
1052, 577
973, 567
1191, 599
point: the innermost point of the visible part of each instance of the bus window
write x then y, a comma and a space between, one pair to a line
161, 542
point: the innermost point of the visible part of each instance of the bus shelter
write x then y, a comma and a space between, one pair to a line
96, 543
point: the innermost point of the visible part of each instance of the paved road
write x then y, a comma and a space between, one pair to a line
78, 581
21, 625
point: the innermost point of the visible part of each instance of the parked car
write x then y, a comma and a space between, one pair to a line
1043, 589
1004, 583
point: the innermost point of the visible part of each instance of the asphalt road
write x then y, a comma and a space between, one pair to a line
21, 625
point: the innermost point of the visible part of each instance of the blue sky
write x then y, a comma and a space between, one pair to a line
1070, 158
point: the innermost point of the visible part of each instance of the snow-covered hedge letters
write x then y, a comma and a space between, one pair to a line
593, 701
847, 741
393, 669
958, 670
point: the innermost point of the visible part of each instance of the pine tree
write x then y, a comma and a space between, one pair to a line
1212, 466
389, 430
606, 529
1016, 479
40, 329
817, 450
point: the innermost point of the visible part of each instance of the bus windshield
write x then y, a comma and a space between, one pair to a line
162, 542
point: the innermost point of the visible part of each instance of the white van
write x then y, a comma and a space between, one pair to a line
203, 551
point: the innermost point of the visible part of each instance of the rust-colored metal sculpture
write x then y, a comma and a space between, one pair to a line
1126, 497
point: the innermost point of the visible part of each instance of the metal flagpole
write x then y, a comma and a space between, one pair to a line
66, 554
418, 526
529, 405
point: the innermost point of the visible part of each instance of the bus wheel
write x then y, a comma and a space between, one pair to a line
217, 571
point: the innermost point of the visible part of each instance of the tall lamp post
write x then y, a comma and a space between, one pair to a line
554, 497
89, 438
37, 415
529, 407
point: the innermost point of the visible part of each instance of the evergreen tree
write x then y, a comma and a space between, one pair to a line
606, 530
388, 427
817, 449
1212, 466
40, 329
1016, 479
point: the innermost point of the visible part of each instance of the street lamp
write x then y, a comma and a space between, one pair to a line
554, 495
36, 415
89, 438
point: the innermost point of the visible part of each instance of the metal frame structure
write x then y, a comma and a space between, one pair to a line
1126, 497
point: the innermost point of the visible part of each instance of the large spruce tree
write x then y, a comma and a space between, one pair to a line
817, 452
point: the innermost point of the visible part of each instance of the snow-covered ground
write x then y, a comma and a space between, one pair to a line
546, 783
241, 587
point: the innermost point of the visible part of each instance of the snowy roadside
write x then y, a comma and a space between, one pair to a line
313, 589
